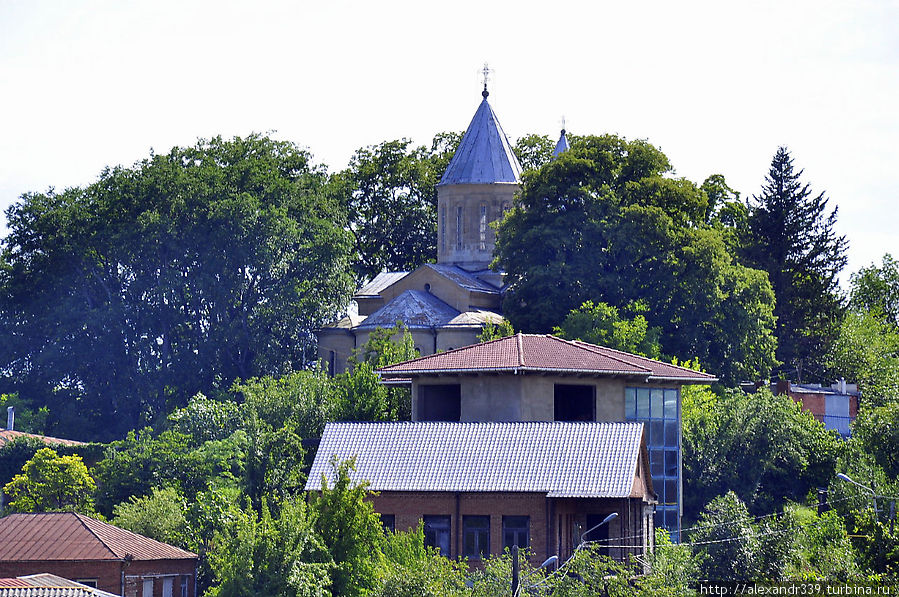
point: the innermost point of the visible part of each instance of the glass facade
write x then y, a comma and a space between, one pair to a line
659, 410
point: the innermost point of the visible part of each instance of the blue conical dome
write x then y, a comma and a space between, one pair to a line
484, 156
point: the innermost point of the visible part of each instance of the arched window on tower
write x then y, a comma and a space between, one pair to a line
506, 207
459, 227
482, 228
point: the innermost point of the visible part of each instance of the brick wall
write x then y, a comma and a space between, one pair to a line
554, 523
108, 574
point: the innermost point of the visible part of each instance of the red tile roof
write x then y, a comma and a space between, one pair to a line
525, 353
72, 536
8, 435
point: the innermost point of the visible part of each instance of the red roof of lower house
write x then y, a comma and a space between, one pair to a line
8, 435
524, 353
72, 536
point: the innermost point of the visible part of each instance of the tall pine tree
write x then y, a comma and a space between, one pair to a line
791, 235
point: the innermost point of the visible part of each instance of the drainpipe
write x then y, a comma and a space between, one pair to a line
10, 417
458, 524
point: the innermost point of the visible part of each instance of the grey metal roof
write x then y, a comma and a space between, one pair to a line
484, 156
562, 145
379, 283
419, 309
461, 277
47, 585
559, 459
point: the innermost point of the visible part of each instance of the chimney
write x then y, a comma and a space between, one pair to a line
10, 417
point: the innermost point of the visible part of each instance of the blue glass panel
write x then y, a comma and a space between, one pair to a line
656, 434
656, 463
670, 434
670, 492
671, 518
630, 403
659, 519
656, 402
670, 404
643, 403
671, 463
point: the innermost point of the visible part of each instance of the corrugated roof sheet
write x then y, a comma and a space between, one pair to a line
47, 585
73, 536
559, 459
8, 435
540, 353
484, 156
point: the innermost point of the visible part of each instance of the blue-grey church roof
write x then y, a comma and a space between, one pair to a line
484, 156
562, 145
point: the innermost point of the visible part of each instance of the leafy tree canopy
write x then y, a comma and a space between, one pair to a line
50, 482
391, 198
876, 289
601, 324
606, 222
180, 274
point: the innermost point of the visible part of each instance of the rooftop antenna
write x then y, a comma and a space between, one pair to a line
486, 73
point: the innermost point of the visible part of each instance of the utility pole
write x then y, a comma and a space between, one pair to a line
515, 572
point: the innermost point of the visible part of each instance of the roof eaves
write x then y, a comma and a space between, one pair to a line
516, 370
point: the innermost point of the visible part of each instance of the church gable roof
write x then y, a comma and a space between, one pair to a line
556, 458
484, 156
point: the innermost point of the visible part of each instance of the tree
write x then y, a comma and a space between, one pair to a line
867, 351
876, 289
351, 531
264, 554
763, 447
730, 546
159, 516
178, 275
790, 235
601, 324
391, 196
533, 151
492, 331
605, 223
50, 482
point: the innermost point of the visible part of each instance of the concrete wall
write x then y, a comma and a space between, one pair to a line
339, 341
507, 397
469, 197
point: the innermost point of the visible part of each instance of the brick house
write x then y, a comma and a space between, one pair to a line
530, 377
95, 553
479, 488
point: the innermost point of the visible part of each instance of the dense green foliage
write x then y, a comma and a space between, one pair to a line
189, 270
50, 482
601, 324
763, 448
605, 223
391, 191
790, 235
876, 289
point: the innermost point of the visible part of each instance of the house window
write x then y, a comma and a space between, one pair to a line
388, 521
506, 206
516, 531
475, 537
88, 582
482, 228
459, 228
184, 586
167, 585
574, 403
440, 402
147, 590
437, 533
658, 409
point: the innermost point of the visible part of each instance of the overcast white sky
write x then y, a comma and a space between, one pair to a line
717, 85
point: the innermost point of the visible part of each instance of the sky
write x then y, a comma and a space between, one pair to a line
718, 86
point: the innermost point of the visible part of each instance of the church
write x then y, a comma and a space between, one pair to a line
445, 304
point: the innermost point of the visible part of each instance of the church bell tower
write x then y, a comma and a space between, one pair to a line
477, 187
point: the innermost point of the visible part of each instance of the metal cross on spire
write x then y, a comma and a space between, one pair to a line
486, 72
563, 125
